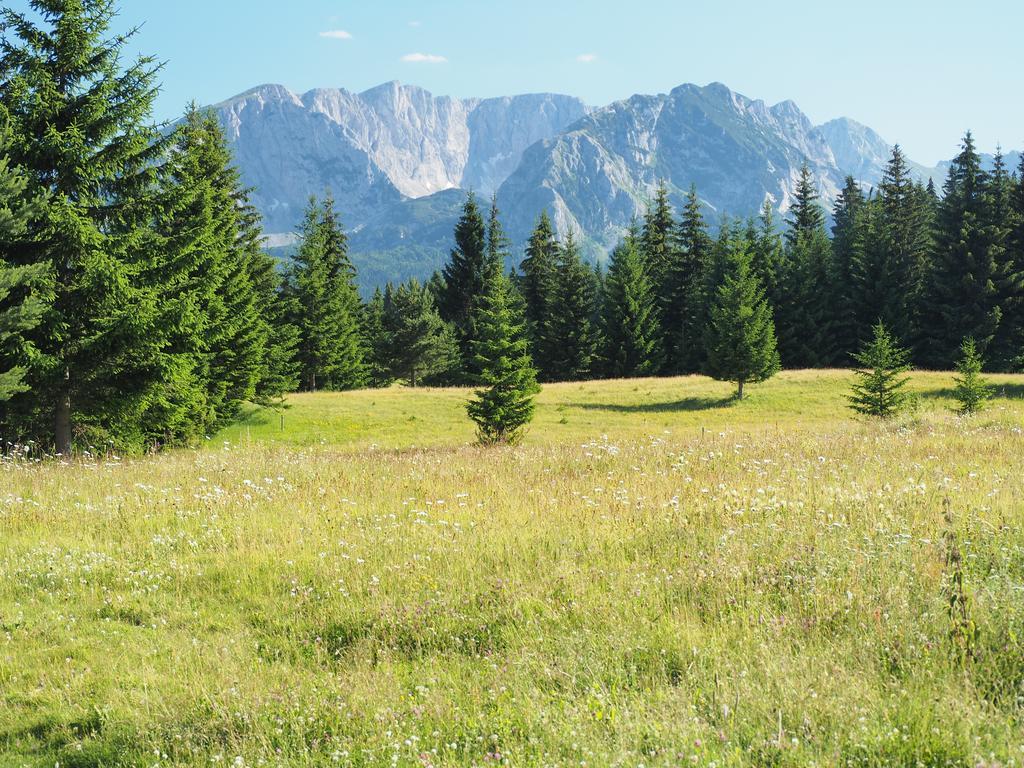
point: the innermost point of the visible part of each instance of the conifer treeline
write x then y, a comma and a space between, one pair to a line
933, 270
138, 308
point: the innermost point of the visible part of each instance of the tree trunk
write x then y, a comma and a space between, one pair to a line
62, 420
739, 393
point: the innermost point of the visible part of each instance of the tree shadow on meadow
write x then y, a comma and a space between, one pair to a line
686, 404
999, 390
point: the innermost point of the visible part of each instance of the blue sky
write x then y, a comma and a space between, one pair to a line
918, 72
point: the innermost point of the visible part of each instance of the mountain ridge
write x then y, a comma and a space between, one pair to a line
394, 152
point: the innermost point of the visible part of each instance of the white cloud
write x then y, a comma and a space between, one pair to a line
423, 58
587, 58
337, 34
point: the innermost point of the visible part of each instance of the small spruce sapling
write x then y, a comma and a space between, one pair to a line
503, 405
880, 389
972, 390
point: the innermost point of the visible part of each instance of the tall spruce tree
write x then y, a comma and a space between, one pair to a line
685, 319
418, 344
537, 286
806, 217
464, 277
497, 241
218, 284
1007, 347
1016, 258
80, 122
377, 338
322, 283
904, 248
279, 373
503, 404
659, 250
569, 332
631, 332
741, 335
657, 241
804, 315
968, 271
846, 217
21, 288
766, 252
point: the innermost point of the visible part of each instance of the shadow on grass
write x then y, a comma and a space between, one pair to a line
1008, 391
686, 404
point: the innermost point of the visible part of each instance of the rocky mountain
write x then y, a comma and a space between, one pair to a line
380, 147
601, 171
399, 160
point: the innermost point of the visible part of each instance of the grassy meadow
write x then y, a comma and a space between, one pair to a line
657, 576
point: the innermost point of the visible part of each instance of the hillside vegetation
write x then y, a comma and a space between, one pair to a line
656, 576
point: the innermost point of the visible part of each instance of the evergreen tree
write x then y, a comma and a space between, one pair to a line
419, 343
969, 271
1006, 351
279, 373
741, 335
464, 277
497, 241
846, 217
1016, 259
632, 342
322, 283
20, 310
972, 390
660, 254
242, 345
79, 122
903, 248
657, 242
806, 217
683, 308
568, 330
766, 252
21, 302
376, 337
503, 404
537, 286
218, 285
804, 316
880, 389
872, 283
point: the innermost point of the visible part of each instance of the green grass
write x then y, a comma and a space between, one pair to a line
400, 418
656, 577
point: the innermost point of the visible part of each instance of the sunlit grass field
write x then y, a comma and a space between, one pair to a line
656, 576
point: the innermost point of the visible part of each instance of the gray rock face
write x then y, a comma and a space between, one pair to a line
863, 154
375, 148
287, 152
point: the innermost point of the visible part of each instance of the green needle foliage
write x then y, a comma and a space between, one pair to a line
464, 278
417, 343
880, 389
21, 305
741, 341
322, 282
569, 335
972, 390
80, 122
503, 405
632, 338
